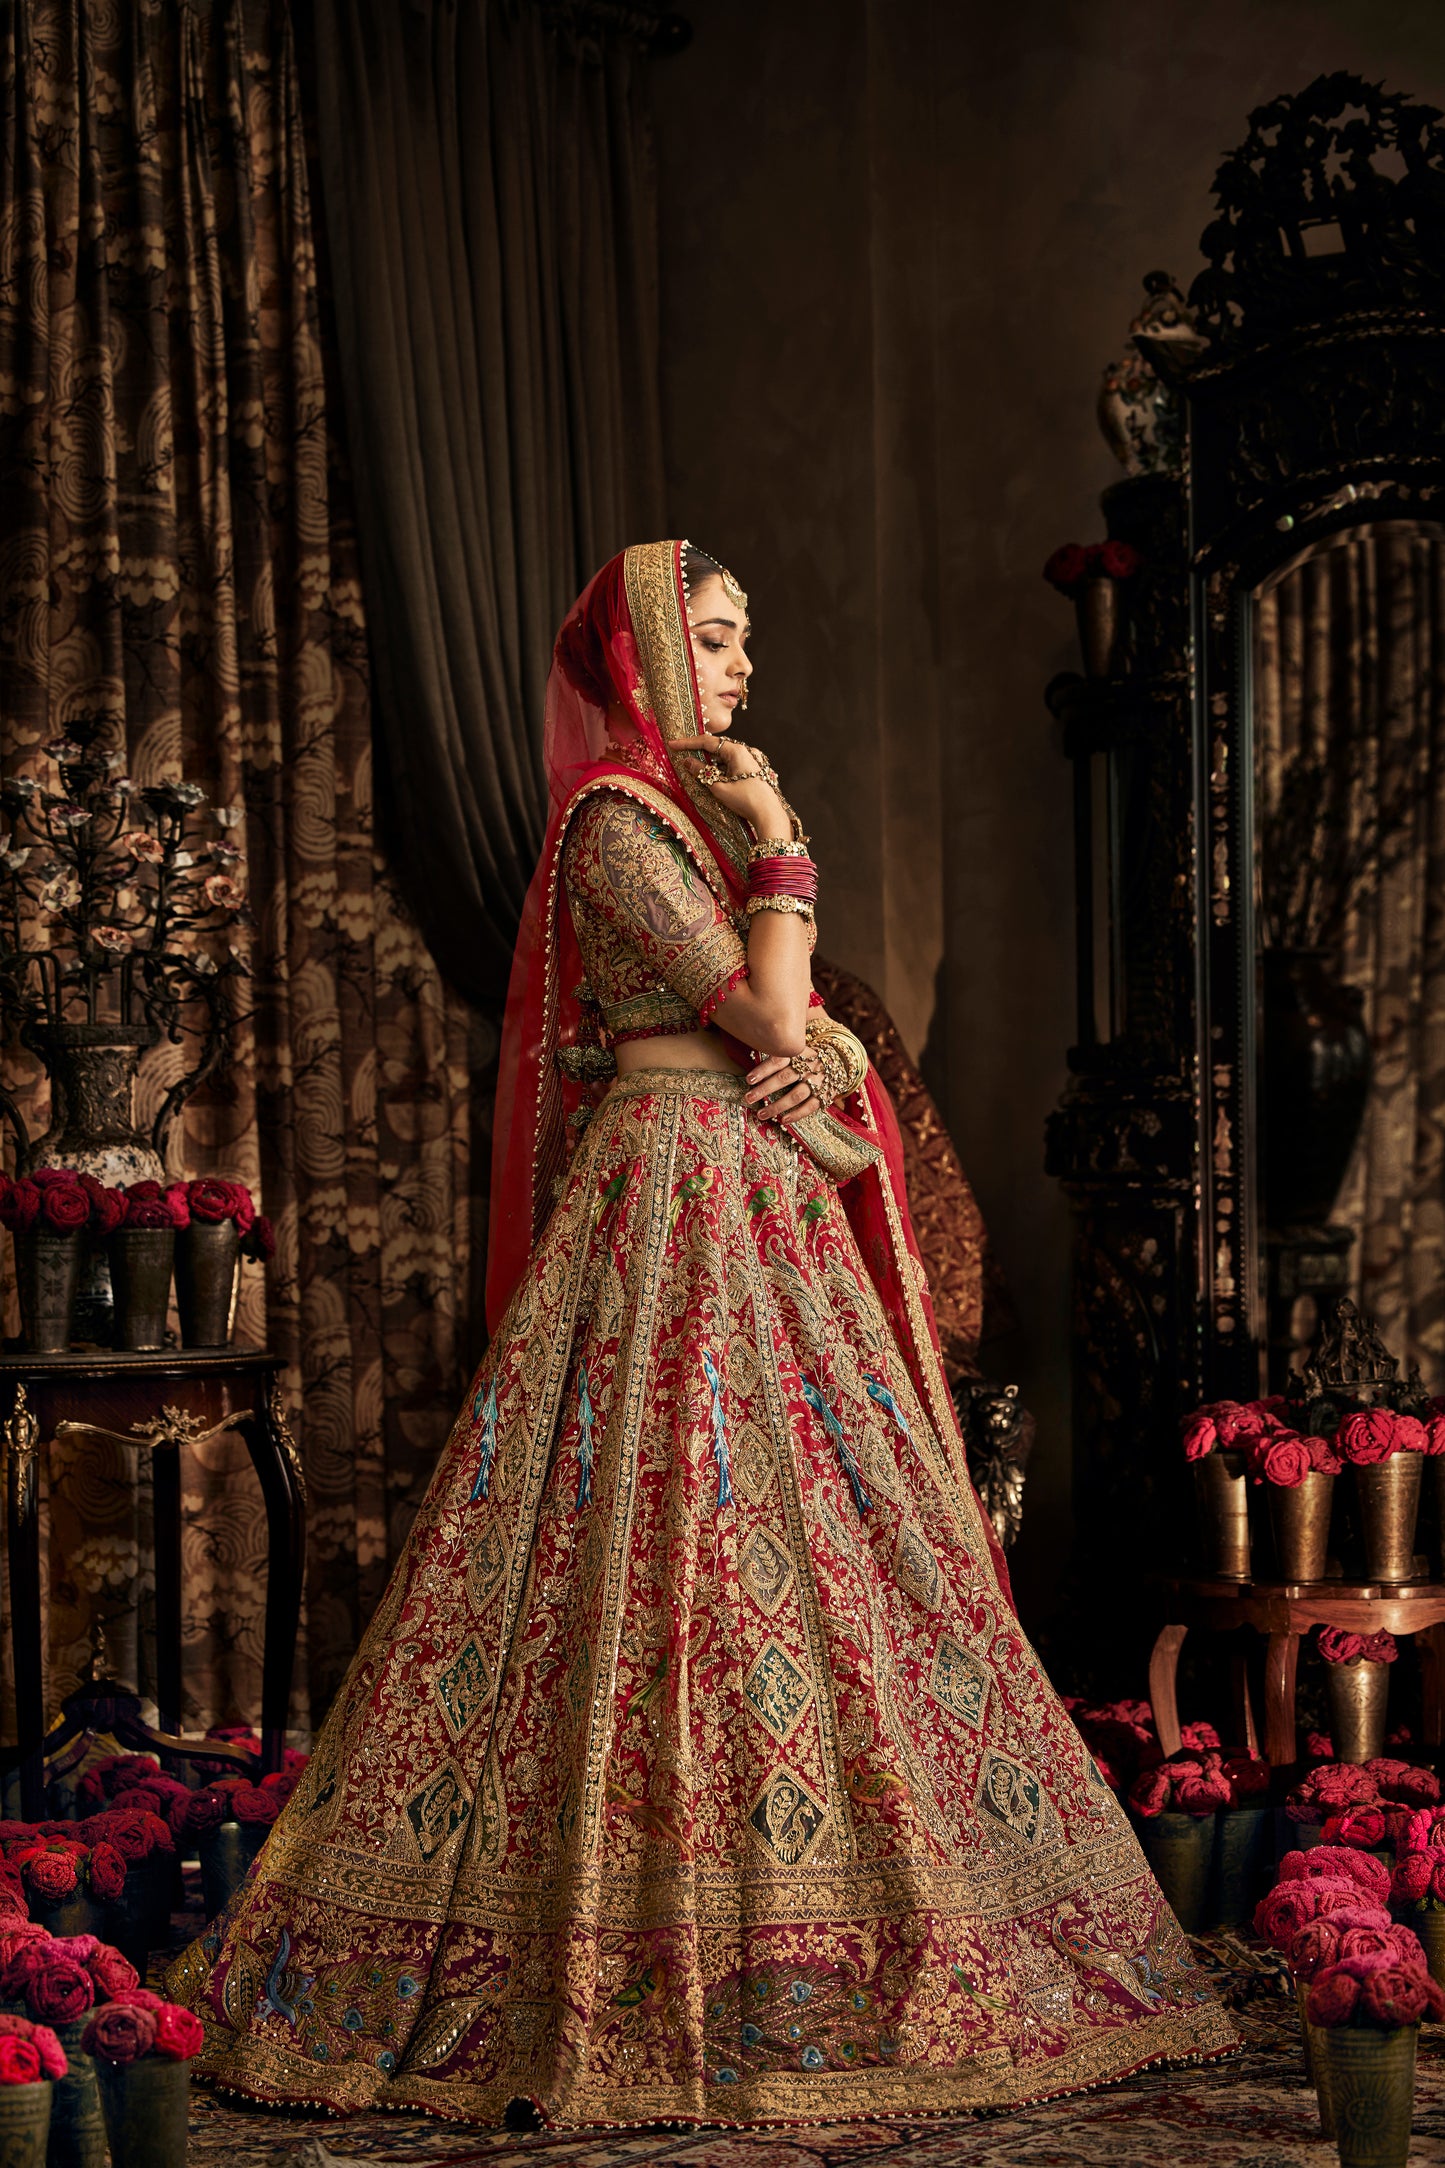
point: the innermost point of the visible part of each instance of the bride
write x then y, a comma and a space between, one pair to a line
694, 1766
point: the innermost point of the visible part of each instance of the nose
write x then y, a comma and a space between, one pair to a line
745, 668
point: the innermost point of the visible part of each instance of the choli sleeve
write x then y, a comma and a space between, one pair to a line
628, 867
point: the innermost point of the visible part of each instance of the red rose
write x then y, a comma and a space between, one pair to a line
107, 1873
179, 2034
1435, 1434
120, 2032
59, 1988
51, 1874
19, 2061
1203, 1794
64, 1208
1149, 1793
140, 1998
1332, 1997
1379, 1648
211, 1200
1410, 1883
202, 1811
1282, 1458
1338, 1646
107, 1209
1410, 1436
1314, 1946
243, 1210
261, 1242
1369, 1437
148, 1192
1362, 1948
1200, 1738
20, 1207
1361, 1826
178, 1197
1393, 1995
283, 1782
148, 1212
1066, 568
1323, 1457
81, 1947
54, 1178
1256, 1419
1116, 559
1436, 1857
1336, 1863
1410, 1787
1201, 1437
1249, 1778
53, 2063
252, 1803
112, 1973
1289, 1906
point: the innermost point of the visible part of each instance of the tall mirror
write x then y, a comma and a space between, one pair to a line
1346, 699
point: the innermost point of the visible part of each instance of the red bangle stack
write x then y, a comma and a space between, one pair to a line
783, 877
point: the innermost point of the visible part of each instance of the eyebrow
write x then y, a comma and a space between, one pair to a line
730, 622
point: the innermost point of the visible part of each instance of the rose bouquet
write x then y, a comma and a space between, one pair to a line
28, 2052
137, 2023
54, 1868
1074, 562
58, 1201
151, 1207
1378, 1986
1199, 1784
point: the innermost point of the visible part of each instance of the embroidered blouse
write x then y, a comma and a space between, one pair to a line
659, 949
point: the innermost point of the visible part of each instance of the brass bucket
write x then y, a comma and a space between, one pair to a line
1429, 1924
1359, 1694
1371, 2080
1315, 2069
1299, 1519
1388, 1494
1224, 1514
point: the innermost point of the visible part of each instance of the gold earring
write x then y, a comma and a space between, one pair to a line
743, 695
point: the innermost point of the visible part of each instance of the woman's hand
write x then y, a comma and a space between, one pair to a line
743, 787
776, 1090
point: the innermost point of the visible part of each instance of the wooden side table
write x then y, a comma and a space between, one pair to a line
1283, 1611
153, 1403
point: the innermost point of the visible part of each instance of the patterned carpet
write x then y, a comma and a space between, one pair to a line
1255, 2112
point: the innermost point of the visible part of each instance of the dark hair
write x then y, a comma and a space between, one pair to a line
697, 566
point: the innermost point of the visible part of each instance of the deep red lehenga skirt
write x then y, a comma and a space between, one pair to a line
693, 1766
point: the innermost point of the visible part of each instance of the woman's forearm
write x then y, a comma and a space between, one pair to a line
768, 1011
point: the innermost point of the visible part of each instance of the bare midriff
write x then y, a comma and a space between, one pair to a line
675, 1050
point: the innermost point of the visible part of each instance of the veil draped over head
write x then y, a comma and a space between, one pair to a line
622, 689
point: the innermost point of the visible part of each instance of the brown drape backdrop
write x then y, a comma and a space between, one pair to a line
490, 203
177, 559
1351, 644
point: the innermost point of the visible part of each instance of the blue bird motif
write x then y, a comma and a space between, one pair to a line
719, 1433
878, 1391
814, 1397
486, 1411
585, 1418
276, 1980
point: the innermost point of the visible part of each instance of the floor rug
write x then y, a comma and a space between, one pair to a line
1254, 2112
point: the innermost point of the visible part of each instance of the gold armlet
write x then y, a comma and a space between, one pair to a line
781, 903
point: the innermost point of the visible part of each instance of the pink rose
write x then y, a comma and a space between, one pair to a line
60, 1989
1337, 1863
1362, 1948
1410, 1435
1203, 1794
1332, 1997
1201, 1437
1369, 1437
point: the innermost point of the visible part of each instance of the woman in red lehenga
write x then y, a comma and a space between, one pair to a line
694, 1766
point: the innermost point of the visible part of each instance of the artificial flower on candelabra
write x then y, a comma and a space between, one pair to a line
117, 909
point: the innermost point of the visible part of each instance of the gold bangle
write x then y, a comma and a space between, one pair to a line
780, 903
775, 847
823, 1031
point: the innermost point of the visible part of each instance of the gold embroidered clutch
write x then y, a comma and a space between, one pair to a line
831, 1145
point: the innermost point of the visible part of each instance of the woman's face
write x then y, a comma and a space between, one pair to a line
719, 645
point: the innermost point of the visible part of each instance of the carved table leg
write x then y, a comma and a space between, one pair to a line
166, 1506
278, 1467
1281, 1662
1163, 1671
1430, 1646
1243, 1704
21, 1441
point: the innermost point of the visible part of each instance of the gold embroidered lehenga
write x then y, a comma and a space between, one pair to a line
694, 1765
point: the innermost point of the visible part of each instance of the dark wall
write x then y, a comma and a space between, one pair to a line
900, 239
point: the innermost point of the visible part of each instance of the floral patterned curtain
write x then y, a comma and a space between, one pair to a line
1350, 663
177, 562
